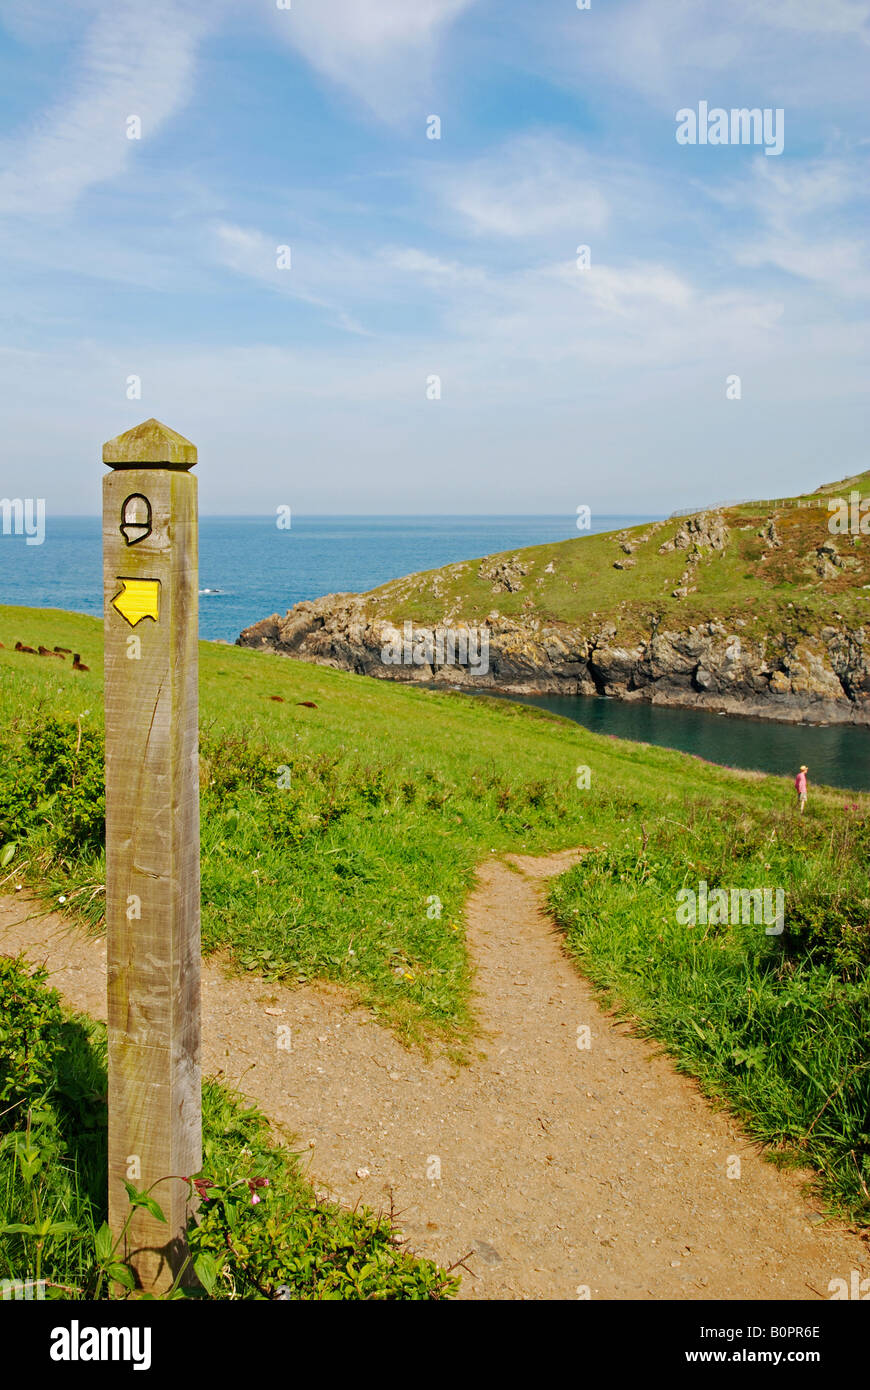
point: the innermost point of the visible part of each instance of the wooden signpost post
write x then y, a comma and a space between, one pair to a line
150, 577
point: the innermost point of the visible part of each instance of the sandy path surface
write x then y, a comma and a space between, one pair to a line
562, 1169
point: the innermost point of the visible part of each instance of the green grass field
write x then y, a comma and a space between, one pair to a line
340, 842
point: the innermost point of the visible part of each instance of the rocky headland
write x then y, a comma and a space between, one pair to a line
782, 646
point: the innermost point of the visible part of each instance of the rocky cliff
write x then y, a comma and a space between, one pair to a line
714, 666
783, 645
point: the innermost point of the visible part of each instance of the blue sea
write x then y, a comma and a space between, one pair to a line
249, 569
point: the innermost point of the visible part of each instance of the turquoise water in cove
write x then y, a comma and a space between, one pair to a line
249, 569
837, 755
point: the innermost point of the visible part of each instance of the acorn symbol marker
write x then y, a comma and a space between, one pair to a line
136, 518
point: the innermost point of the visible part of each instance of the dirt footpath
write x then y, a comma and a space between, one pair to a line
563, 1169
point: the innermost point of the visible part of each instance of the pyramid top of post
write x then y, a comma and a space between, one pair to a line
151, 444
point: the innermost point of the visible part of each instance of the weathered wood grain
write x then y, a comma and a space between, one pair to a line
152, 843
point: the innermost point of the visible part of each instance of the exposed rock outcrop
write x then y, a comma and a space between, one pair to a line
707, 531
506, 575
771, 535
820, 678
827, 561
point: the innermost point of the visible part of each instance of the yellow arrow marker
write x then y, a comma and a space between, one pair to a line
138, 599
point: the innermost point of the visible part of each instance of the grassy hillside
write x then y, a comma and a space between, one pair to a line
395, 795
357, 869
774, 580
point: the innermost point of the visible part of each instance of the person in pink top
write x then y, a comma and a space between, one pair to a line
800, 783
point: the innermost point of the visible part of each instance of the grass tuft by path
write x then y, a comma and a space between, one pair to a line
777, 1026
261, 1233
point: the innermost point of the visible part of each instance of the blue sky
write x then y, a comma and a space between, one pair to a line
307, 127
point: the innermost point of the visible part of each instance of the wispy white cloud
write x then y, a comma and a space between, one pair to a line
811, 17
327, 277
807, 52
439, 281
136, 60
780, 193
629, 313
382, 51
806, 219
618, 319
532, 186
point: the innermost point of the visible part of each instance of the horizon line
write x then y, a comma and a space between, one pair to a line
397, 516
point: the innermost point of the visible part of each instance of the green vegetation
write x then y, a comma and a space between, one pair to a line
776, 1026
260, 1233
396, 793
774, 586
